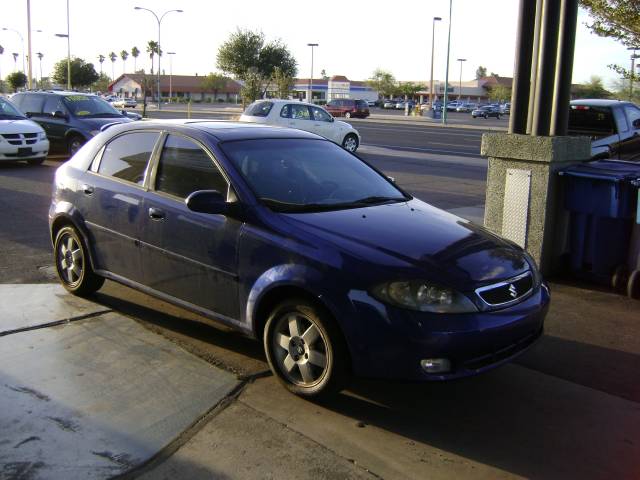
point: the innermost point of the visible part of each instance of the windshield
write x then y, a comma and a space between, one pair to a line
294, 175
8, 111
89, 106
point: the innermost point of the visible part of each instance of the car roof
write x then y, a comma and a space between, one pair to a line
280, 101
599, 102
64, 93
221, 130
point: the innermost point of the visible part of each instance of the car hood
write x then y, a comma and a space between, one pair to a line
19, 126
444, 247
344, 126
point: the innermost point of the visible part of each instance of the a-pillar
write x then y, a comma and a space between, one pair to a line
523, 198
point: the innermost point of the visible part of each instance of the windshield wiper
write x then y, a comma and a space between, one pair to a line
378, 199
12, 117
285, 207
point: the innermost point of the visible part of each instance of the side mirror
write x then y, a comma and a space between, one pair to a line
636, 123
207, 201
124, 112
332, 120
59, 114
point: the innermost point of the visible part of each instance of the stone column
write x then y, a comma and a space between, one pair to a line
523, 201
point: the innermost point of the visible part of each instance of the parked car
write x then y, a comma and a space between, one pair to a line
466, 107
401, 105
68, 118
505, 108
372, 103
304, 116
389, 104
451, 106
290, 239
346, 107
612, 125
128, 102
486, 111
20, 138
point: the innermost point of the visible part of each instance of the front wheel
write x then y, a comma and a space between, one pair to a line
74, 144
73, 264
305, 350
350, 143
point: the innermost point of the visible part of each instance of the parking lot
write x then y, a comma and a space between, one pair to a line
190, 399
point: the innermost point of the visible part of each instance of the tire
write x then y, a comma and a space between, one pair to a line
36, 161
74, 143
473, 116
486, 116
73, 264
347, 114
633, 285
350, 143
305, 350
619, 278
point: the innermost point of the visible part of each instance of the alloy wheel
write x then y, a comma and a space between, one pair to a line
70, 260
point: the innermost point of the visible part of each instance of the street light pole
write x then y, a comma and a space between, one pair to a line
633, 68
433, 38
460, 81
170, 73
159, 20
309, 97
66, 35
446, 77
29, 62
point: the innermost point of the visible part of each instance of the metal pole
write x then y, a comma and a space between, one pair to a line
433, 38
446, 77
171, 74
310, 95
460, 81
633, 67
546, 68
68, 51
29, 62
566, 47
522, 68
534, 63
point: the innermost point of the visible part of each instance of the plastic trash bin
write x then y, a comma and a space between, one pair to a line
602, 203
436, 113
633, 263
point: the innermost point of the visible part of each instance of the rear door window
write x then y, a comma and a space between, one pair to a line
361, 104
53, 104
126, 157
300, 112
320, 115
592, 121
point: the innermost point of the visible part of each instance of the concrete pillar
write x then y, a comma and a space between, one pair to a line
522, 201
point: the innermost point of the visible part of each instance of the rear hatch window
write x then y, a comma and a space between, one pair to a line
259, 109
595, 122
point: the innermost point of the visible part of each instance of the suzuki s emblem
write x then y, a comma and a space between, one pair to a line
512, 291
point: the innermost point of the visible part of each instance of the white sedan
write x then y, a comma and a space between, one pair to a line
125, 103
21, 138
303, 116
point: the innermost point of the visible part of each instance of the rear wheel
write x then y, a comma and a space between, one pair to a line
347, 114
305, 350
350, 143
73, 264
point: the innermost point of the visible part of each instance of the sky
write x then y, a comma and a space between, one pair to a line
355, 37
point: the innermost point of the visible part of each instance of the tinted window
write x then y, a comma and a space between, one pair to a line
29, 103
300, 112
259, 109
592, 121
8, 111
293, 175
126, 157
185, 168
320, 115
362, 104
286, 111
89, 106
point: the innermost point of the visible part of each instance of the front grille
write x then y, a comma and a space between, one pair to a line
30, 135
20, 139
507, 292
10, 136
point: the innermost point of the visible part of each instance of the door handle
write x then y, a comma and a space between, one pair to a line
156, 214
87, 189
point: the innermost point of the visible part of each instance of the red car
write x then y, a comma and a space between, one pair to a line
346, 107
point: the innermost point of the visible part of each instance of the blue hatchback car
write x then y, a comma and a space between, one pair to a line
291, 239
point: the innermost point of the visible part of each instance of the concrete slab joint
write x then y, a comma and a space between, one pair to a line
539, 211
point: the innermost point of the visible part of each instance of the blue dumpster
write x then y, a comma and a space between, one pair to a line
633, 281
602, 203
436, 113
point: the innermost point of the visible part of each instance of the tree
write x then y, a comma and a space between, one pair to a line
621, 90
251, 87
134, 53
481, 72
499, 93
124, 55
82, 74
409, 89
101, 84
283, 82
592, 89
101, 59
214, 82
246, 56
152, 49
383, 82
324, 75
16, 80
113, 57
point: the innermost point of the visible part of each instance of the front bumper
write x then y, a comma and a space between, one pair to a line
10, 152
390, 342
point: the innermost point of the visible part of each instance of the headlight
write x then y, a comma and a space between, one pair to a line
94, 132
42, 136
535, 271
423, 297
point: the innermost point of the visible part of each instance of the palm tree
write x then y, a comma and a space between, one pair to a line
1, 52
134, 53
152, 49
15, 61
113, 57
40, 55
101, 59
124, 55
